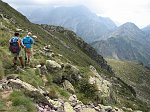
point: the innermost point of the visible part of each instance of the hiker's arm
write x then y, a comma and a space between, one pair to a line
21, 43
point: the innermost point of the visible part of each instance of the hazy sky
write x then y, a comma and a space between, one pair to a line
136, 11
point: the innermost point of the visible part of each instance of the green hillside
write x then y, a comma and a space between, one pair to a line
134, 74
66, 57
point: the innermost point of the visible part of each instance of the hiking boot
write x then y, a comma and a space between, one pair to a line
22, 66
14, 66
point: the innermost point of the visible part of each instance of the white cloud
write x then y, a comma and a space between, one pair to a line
136, 11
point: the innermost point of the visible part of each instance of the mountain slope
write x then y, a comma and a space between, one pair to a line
146, 29
59, 56
127, 42
147, 32
79, 19
135, 75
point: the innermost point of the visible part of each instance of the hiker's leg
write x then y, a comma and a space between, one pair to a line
21, 61
15, 60
28, 55
28, 58
20, 58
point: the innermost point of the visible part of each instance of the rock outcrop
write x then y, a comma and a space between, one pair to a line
103, 86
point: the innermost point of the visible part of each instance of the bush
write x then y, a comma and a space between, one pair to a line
88, 92
87, 88
52, 93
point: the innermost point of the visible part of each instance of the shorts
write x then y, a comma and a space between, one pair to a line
18, 55
28, 51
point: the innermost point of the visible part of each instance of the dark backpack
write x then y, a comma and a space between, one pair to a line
14, 45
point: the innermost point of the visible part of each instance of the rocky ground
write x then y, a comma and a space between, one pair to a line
56, 105
41, 96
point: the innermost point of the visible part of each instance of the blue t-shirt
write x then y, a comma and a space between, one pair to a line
28, 41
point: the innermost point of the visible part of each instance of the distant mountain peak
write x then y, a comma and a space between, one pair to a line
128, 30
129, 25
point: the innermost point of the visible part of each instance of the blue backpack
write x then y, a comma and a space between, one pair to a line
14, 45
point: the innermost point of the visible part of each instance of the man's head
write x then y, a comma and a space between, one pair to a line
29, 34
16, 34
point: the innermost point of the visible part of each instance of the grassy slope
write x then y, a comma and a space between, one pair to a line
135, 75
77, 58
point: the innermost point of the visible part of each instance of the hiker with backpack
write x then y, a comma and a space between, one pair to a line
15, 45
28, 41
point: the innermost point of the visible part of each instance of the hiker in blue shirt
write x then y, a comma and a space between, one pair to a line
28, 41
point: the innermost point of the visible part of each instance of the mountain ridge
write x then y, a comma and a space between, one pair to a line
126, 42
81, 20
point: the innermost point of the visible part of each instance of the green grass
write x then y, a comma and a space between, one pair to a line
57, 91
134, 75
21, 103
1, 71
130, 70
2, 105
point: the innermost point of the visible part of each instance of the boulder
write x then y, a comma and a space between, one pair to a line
56, 104
97, 109
34, 36
115, 109
68, 107
53, 66
129, 109
4, 85
42, 69
31, 91
19, 30
107, 108
73, 100
78, 107
88, 110
68, 86
20, 84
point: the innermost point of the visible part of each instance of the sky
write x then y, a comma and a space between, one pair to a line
120, 11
